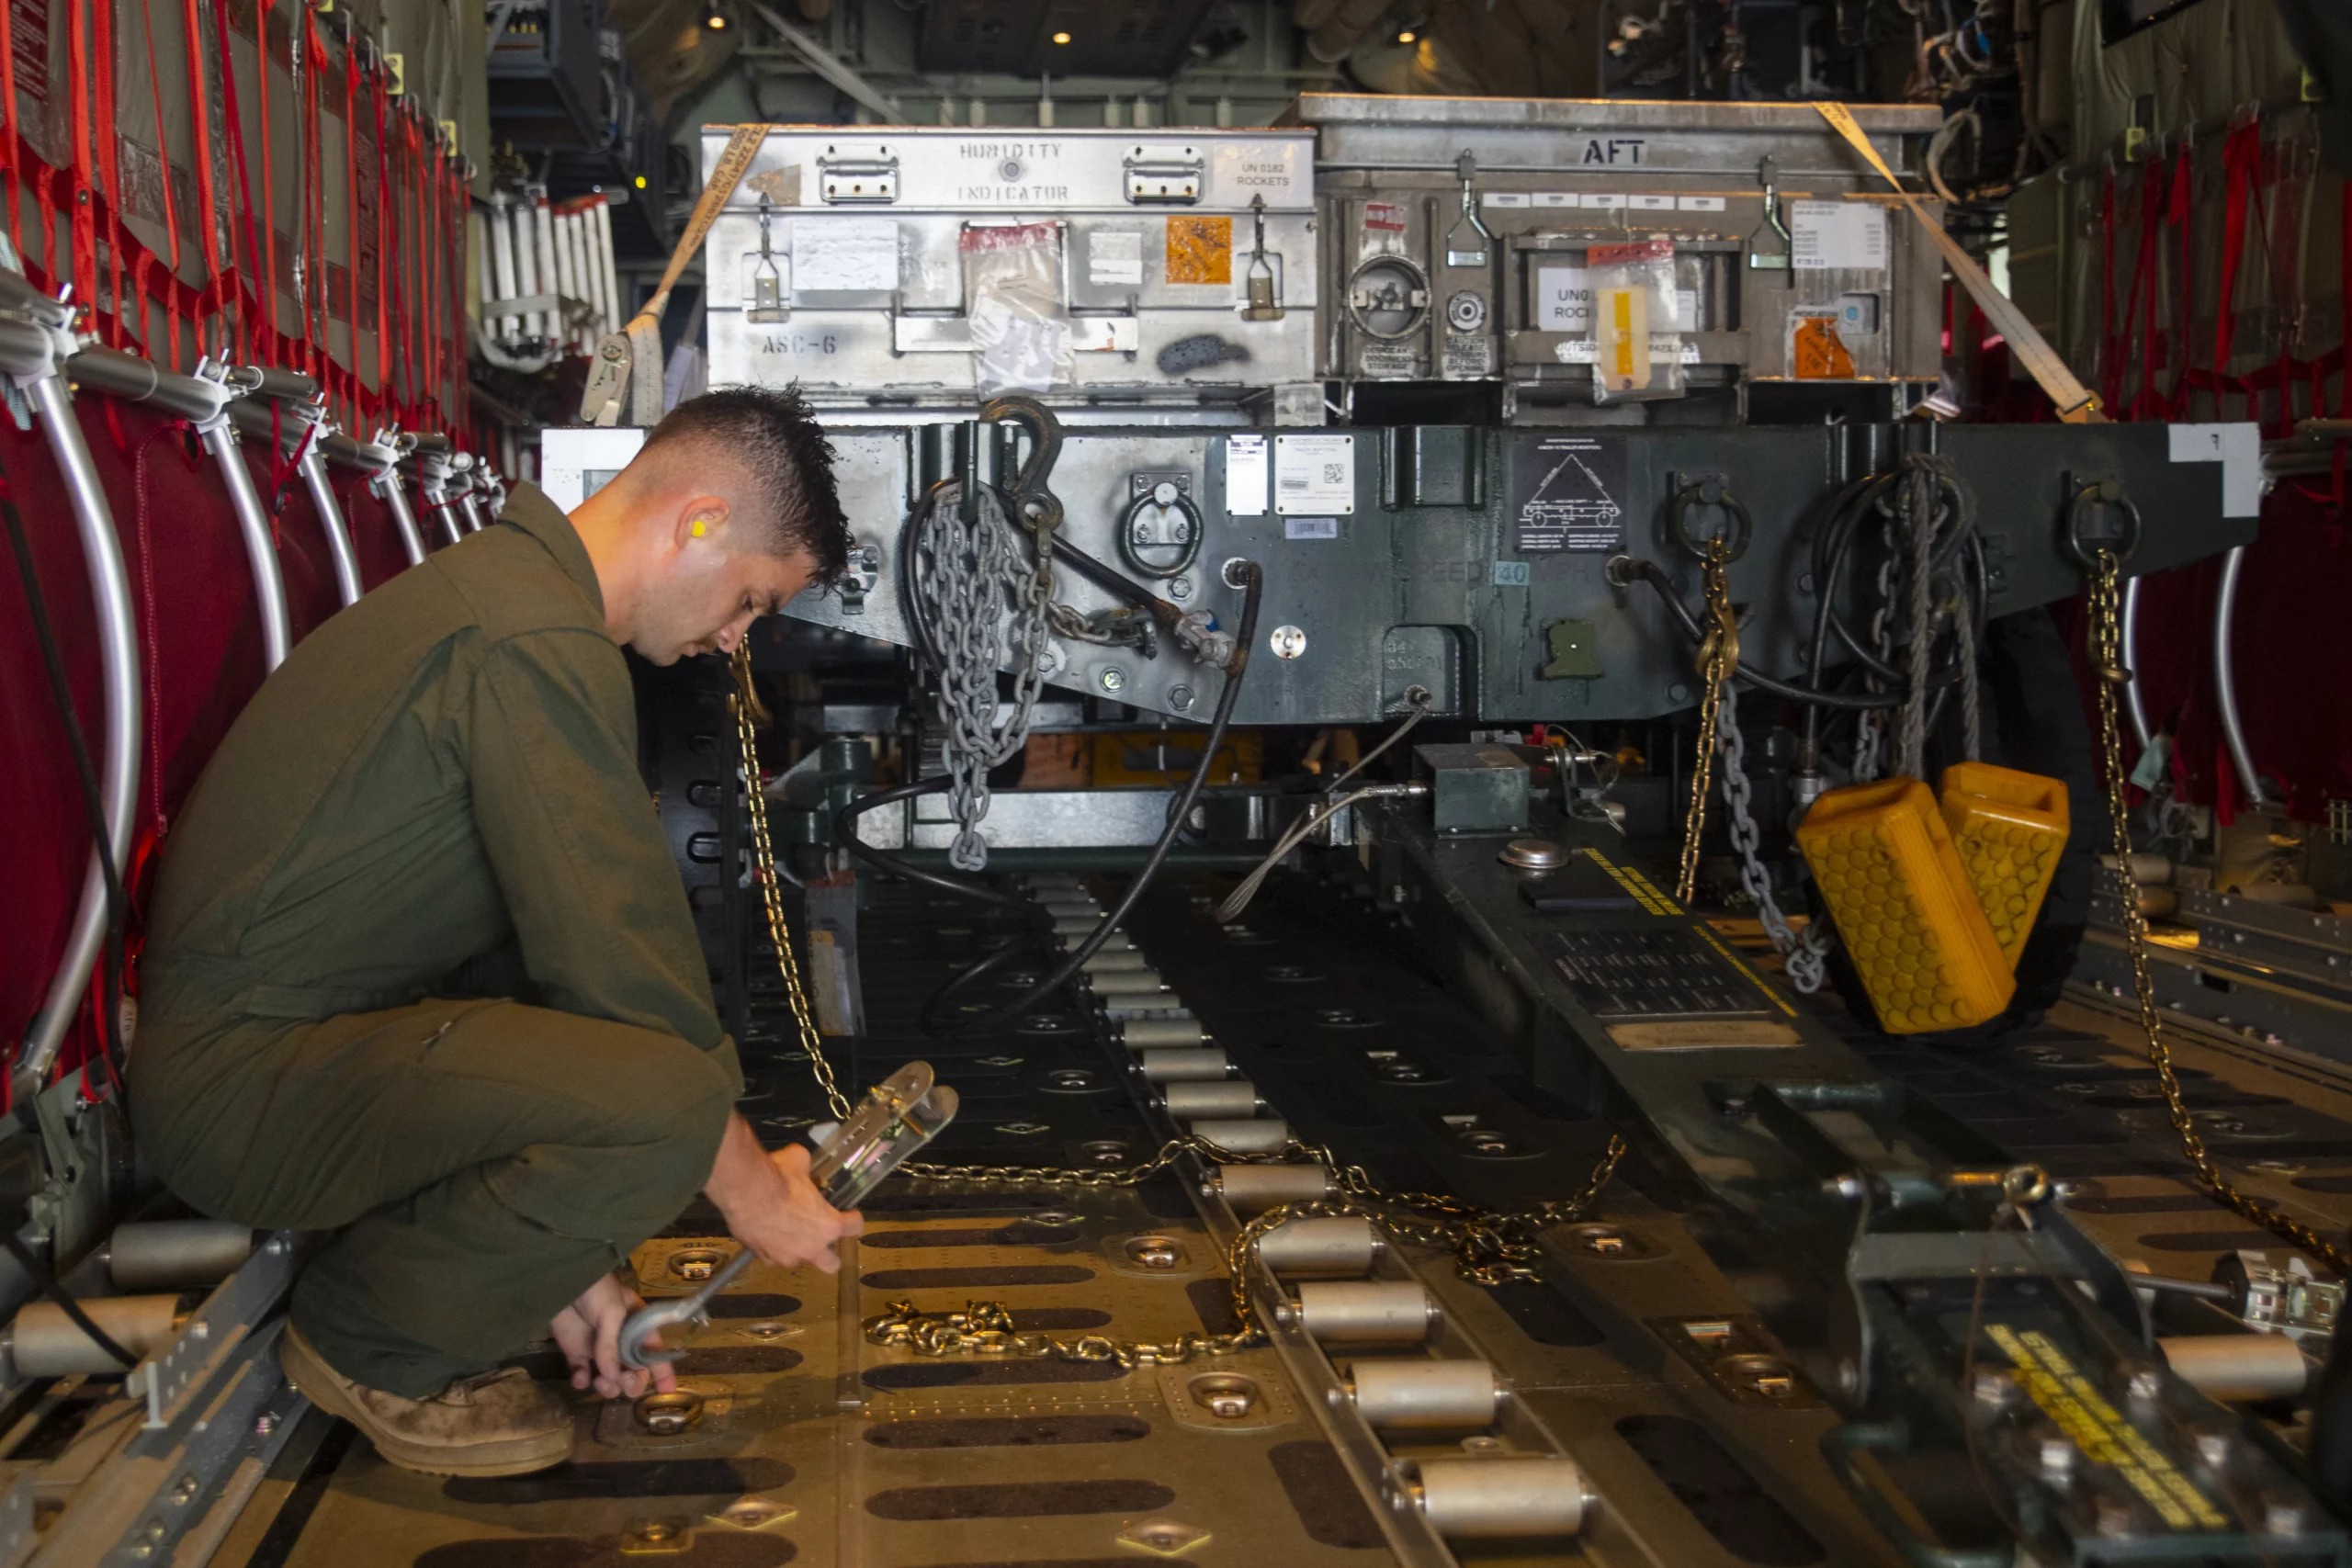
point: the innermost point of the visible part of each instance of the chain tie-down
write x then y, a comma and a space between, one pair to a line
2104, 569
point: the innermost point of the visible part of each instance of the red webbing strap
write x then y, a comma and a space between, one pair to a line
171, 207
461, 204
2179, 215
448, 264
84, 248
2145, 404
2282, 288
314, 203
200, 115
351, 204
54, 187
398, 389
268, 256
9, 136
2110, 357
383, 241
283, 469
428, 276
404, 275
230, 288
152, 640
2241, 168
413, 273
428, 282
110, 158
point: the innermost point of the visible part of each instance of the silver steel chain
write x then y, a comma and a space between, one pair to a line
984, 603
1802, 956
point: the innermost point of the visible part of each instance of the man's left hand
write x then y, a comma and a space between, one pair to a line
588, 1331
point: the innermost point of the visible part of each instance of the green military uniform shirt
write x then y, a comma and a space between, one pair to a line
438, 795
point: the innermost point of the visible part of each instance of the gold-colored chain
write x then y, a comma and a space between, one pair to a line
985, 1329
2107, 664
1491, 1247
745, 702
1718, 656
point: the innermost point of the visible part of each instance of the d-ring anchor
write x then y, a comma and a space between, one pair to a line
2098, 500
1715, 495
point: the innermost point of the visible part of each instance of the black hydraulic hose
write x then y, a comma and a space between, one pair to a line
931, 1019
845, 835
1253, 581
1977, 592
909, 606
1656, 576
1830, 548
55, 1290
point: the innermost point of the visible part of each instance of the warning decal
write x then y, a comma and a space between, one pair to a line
1567, 493
1200, 250
2101, 1433
1816, 351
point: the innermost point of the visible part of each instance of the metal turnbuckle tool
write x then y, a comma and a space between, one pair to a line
898, 1117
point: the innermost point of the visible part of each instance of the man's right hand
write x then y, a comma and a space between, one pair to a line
771, 1205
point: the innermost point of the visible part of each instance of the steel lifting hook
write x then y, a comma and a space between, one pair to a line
1029, 489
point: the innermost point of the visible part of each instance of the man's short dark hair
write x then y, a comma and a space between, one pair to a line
778, 440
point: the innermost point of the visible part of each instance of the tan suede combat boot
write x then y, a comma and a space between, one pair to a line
497, 1423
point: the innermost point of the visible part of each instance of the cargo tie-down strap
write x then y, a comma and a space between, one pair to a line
2076, 403
627, 368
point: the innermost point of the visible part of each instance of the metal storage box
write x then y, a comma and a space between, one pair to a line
1174, 270
1456, 233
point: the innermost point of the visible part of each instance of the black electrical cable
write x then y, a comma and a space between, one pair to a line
1831, 544
55, 1290
86, 771
910, 602
1253, 581
1656, 576
931, 1019
845, 835
1830, 550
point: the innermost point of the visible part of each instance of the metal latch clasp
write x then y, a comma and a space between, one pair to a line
1467, 167
864, 181
1768, 174
1264, 306
1164, 181
767, 278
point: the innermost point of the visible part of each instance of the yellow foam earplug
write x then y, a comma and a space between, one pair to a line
701, 527
1905, 909
2010, 829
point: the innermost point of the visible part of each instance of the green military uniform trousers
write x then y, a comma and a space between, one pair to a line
482, 1162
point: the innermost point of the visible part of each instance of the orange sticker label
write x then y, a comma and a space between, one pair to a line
1200, 250
1816, 353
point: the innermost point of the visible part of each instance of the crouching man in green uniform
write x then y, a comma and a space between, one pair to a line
421, 971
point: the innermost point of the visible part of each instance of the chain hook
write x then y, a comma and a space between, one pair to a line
1029, 489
